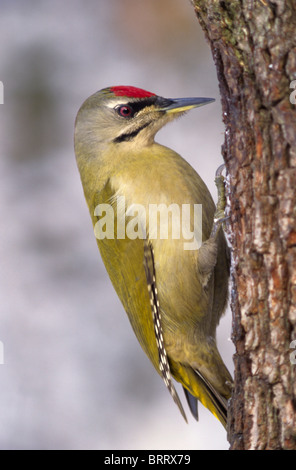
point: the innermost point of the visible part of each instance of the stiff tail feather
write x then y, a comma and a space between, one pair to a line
214, 398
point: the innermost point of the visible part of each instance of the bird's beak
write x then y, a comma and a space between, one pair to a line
180, 105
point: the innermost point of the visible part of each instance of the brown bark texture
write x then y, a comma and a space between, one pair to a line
254, 48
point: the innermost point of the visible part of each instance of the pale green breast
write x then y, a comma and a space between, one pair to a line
123, 260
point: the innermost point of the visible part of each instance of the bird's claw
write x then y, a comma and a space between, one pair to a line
219, 170
219, 216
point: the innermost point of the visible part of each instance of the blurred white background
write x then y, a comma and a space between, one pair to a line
74, 375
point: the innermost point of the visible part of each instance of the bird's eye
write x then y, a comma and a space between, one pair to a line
125, 111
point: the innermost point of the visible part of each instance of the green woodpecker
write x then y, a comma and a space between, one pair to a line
174, 294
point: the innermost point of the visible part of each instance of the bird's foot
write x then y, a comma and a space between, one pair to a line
219, 216
207, 258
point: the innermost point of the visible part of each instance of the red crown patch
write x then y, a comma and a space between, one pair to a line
131, 92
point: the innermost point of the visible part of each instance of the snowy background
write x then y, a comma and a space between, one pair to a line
74, 375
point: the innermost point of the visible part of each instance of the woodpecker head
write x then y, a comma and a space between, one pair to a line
121, 114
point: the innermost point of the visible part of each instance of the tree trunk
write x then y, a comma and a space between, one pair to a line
254, 48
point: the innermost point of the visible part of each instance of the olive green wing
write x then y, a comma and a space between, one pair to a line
124, 262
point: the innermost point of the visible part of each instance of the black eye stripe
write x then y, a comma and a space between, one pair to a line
138, 105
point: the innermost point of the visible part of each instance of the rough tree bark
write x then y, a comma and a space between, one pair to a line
253, 44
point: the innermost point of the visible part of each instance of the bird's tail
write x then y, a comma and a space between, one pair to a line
198, 388
215, 402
